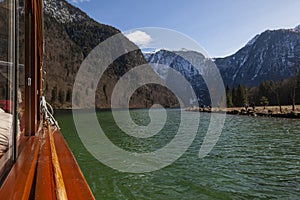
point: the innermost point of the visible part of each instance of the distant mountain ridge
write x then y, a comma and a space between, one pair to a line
271, 55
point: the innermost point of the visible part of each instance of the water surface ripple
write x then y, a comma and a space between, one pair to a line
255, 158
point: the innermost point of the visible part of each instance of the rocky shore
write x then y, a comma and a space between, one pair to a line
268, 111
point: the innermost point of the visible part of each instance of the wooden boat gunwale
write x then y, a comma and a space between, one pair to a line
33, 174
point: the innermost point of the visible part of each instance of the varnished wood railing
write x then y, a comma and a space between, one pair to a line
45, 186
75, 183
33, 175
58, 176
18, 184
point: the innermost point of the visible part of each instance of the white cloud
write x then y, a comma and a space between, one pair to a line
140, 38
80, 1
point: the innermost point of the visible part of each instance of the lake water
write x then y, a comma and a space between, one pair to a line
255, 158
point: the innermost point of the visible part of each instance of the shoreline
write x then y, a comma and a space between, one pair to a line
260, 111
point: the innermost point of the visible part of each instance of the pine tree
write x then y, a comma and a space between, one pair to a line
229, 97
234, 97
263, 90
293, 86
241, 96
297, 95
275, 88
295, 90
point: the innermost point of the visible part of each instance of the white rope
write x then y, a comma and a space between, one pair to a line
59, 182
48, 115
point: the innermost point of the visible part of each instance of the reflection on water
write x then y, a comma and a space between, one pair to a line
254, 158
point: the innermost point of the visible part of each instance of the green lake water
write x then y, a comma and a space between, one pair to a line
255, 158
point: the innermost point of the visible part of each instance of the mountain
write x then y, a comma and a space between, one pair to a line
69, 36
271, 55
163, 60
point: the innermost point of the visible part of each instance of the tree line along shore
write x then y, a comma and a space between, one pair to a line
283, 92
271, 99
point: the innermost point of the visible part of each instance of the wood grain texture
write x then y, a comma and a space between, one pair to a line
19, 182
75, 183
32, 176
61, 193
45, 188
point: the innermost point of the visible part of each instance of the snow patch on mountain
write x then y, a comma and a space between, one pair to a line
271, 55
62, 11
164, 62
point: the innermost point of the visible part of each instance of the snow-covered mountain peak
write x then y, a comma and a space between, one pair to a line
297, 28
149, 50
62, 11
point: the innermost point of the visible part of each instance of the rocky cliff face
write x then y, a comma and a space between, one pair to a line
271, 55
163, 60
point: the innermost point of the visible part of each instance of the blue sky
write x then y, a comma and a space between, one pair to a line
221, 27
